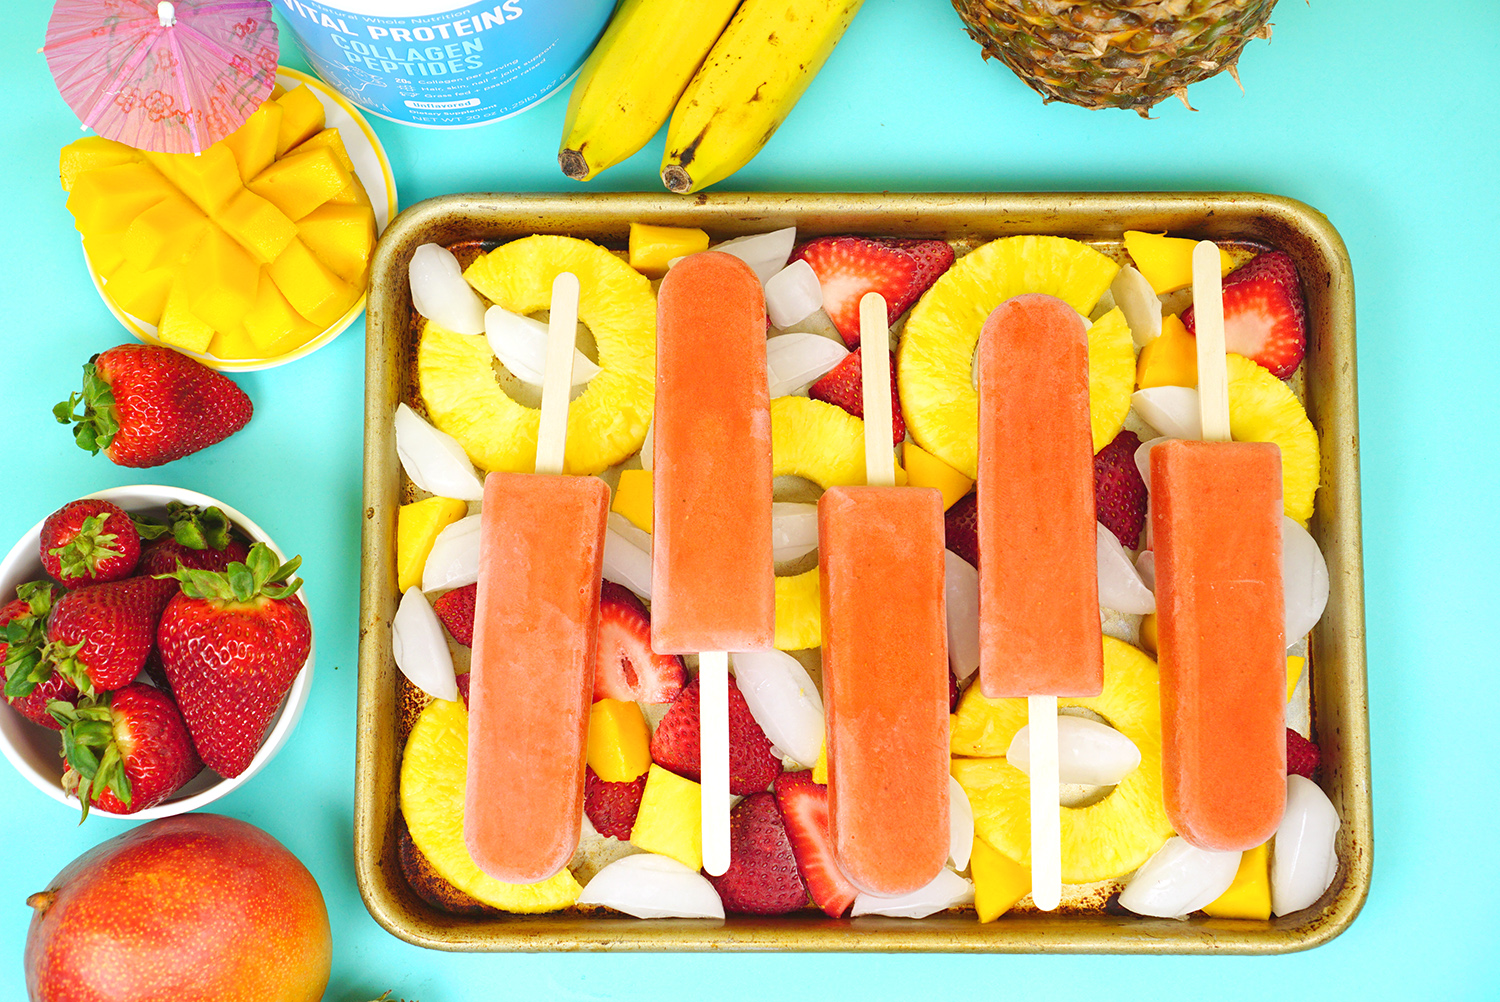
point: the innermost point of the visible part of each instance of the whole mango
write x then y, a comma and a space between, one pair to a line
195, 908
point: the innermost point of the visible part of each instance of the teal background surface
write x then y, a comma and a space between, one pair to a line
1389, 130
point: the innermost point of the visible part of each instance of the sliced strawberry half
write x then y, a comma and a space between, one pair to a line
1265, 317
626, 667
676, 743
848, 267
1302, 756
804, 811
612, 807
1119, 491
455, 609
961, 524
762, 878
843, 386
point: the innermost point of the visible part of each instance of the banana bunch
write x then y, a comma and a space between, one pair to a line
732, 76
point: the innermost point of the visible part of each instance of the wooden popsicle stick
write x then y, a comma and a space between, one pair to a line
875, 390
713, 751
1208, 317
1046, 824
557, 377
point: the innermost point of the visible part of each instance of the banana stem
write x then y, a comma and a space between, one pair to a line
677, 179
574, 165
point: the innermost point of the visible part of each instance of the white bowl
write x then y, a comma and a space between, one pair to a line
36, 751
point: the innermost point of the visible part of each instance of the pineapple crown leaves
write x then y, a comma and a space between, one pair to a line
94, 763
195, 528
262, 573
88, 548
25, 665
97, 424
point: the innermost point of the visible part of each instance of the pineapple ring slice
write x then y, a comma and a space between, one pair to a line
935, 357
823, 443
432, 802
1100, 841
1264, 409
607, 422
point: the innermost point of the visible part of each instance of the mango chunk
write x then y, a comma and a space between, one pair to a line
139, 291
300, 183
670, 820
1167, 262
1168, 360
88, 153
107, 199
179, 326
820, 767
164, 234
417, 527
999, 881
209, 179
221, 278
619, 741
633, 498
260, 227
301, 117
314, 291
1294, 666
254, 143
105, 251
331, 139
1249, 897
342, 237
271, 327
653, 247
923, 469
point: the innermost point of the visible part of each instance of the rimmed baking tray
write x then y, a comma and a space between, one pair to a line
1337, 644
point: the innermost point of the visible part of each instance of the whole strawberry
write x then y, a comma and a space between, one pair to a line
843, 386
676, 743
88, 542
145, 405
1119, 491
126, 751
30, 681
98, 637
199, 538
762, 878
232, 643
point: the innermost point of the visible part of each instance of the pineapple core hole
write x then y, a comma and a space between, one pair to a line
802, 491
531, 396
1080, 795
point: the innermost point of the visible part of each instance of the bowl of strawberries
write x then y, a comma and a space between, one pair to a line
155, 649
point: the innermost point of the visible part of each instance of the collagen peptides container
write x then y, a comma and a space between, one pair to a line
445, 64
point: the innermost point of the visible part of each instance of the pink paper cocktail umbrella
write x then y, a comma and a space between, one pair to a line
172, 77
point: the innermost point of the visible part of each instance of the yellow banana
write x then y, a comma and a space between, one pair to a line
751, 79
628, 85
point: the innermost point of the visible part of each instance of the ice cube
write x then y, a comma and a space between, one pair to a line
440, 293
793, 294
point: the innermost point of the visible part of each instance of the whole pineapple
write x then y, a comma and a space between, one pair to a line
1115, 53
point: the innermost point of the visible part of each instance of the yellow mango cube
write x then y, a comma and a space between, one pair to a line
139, 291
89, 153
1148, 633
221, 278
314, 291
179, 326
417, 527
670, 820
260, 227
299, 183
107, 199
331, 139
653, 247
999, 881
105, 251
271, 326
233, 344
301, 117
1249, 897
1167, 262
923, 469
342, 237
619, 741
210, 179
1168, 360
633, 498
254, 143
164, 234
820, 767
1295, 664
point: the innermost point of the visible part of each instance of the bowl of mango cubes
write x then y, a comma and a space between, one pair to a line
251, 254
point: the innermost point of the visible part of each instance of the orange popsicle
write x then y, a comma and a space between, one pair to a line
1216, 531
885, 683
535, 625
1038, 576
712, 572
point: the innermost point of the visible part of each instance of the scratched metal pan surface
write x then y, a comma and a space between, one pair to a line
1337, 645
